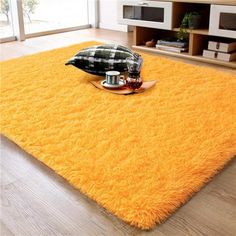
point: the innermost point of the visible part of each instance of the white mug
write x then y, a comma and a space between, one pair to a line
113, 77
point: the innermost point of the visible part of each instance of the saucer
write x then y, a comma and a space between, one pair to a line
106, 85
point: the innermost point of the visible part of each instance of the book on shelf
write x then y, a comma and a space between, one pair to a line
172, 42
171, 48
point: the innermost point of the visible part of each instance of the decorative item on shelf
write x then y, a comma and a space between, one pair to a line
219, 55
191, 20
99, 59
222, 46
182, 35
151, 43
194, 20
224, 51
134, 81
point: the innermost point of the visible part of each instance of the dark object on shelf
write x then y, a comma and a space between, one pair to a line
151, 43
194, 20
98, 60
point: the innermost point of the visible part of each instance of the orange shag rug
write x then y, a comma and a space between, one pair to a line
138, 156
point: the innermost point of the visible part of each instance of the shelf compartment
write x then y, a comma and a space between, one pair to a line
185, 55
180, 8
143, 34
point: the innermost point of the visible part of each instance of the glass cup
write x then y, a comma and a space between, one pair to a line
134, 80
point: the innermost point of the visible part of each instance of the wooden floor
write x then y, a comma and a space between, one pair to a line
36, 201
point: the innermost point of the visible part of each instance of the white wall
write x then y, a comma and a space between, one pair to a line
93, 13
108, 16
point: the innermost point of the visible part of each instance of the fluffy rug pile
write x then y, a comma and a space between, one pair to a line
139, 156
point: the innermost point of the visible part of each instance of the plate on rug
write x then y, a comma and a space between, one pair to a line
140, 157
124, 90
112, 86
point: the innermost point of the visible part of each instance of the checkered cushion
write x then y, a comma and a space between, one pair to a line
99, 59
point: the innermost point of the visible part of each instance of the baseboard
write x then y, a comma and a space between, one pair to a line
116, 27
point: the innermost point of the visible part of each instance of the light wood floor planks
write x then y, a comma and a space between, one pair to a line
35, 201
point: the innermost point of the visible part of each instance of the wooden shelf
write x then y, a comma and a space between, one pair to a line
198, 39
186, 55
195, 31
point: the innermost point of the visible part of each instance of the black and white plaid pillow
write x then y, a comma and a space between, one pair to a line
99, 59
